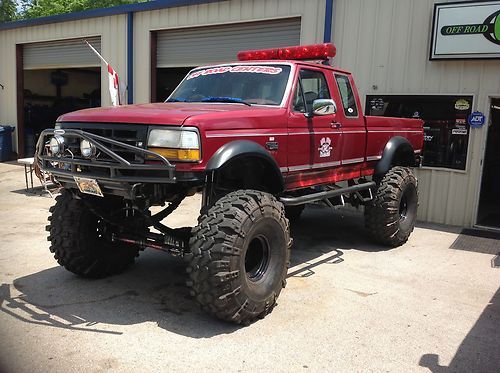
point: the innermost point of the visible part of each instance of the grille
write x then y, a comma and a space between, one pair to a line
135, 135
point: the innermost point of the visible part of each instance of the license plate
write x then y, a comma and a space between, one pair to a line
88, 186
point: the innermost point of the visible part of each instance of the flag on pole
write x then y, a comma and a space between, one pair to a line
114, 85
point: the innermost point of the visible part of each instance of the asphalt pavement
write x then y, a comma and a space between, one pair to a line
349, 306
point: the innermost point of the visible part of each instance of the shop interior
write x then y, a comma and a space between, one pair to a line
446, 132
49, 93
489, 200
168, 79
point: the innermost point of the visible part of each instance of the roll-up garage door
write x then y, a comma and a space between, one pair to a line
61, 54
210, 44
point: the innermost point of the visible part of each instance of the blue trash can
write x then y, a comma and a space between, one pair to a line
5, 143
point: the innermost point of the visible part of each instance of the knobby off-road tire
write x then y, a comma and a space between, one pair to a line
77, 244
293, 212
240, 253
390, 217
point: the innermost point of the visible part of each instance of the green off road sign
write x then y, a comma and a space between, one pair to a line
466, 30
490, 28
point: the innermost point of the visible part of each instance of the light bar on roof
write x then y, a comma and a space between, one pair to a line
302, 52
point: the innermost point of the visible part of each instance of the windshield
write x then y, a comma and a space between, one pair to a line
245, 84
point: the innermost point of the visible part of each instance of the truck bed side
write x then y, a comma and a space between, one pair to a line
381, 129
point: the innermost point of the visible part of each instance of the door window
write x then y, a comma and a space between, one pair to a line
347, 96
311, 86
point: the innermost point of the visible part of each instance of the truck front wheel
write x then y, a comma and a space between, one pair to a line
390, 217
240, 256
80, 242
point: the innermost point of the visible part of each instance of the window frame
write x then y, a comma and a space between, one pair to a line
299, 86
346, 115
299, 83
469, 141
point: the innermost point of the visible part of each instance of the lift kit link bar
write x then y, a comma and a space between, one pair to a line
295, 201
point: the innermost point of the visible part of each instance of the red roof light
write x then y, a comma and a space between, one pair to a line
303, 52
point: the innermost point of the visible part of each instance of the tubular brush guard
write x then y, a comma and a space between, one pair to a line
70, 166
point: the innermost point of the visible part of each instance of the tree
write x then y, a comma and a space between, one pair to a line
7, 11
43, 8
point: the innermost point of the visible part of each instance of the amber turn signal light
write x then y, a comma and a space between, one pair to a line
176, 154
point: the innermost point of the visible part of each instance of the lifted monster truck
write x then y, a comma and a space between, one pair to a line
260, 138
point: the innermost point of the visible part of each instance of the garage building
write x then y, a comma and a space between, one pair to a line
395, 48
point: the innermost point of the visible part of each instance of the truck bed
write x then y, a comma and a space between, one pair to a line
381, 129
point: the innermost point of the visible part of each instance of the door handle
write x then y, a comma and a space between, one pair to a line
336, 124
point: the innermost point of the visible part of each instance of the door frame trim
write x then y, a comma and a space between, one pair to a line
475, 224
20, 100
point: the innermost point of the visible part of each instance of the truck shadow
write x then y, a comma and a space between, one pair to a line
322, 229
154, 288
478, 352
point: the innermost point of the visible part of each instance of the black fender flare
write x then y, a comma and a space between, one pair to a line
397, 151
244, 148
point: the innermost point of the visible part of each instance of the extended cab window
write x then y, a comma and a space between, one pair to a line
311, 86
347, 96
252, 84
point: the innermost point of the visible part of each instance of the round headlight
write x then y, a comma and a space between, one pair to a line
56, 145
87, 149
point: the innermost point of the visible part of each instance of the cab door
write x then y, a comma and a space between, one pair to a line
314, 142
353, 123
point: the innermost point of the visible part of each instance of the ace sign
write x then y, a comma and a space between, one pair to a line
466, 30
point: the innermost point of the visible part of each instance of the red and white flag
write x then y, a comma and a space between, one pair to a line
114, 84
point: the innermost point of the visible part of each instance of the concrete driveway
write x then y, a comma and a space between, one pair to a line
349, 305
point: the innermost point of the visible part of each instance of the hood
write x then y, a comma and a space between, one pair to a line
159, 113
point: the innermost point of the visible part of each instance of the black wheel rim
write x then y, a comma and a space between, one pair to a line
257, 258
407, 208
403, 207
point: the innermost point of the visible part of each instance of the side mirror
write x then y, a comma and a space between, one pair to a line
324, 106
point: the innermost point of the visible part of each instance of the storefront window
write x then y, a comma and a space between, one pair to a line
446, 130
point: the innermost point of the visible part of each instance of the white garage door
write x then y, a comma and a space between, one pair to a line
61, 54
204, 45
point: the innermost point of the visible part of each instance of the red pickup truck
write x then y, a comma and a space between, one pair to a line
259, 138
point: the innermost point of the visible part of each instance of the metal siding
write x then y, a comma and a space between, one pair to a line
311, 13
385, 43
8, 113
203, 45
61, 54
101, 12
112, 31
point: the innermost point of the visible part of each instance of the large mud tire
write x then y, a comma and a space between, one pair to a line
240, 254
77, 244
390, 217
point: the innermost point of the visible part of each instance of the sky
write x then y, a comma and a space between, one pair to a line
18, 5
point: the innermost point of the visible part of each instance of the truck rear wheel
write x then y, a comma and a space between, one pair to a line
391, 216
240, 256
79, 242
